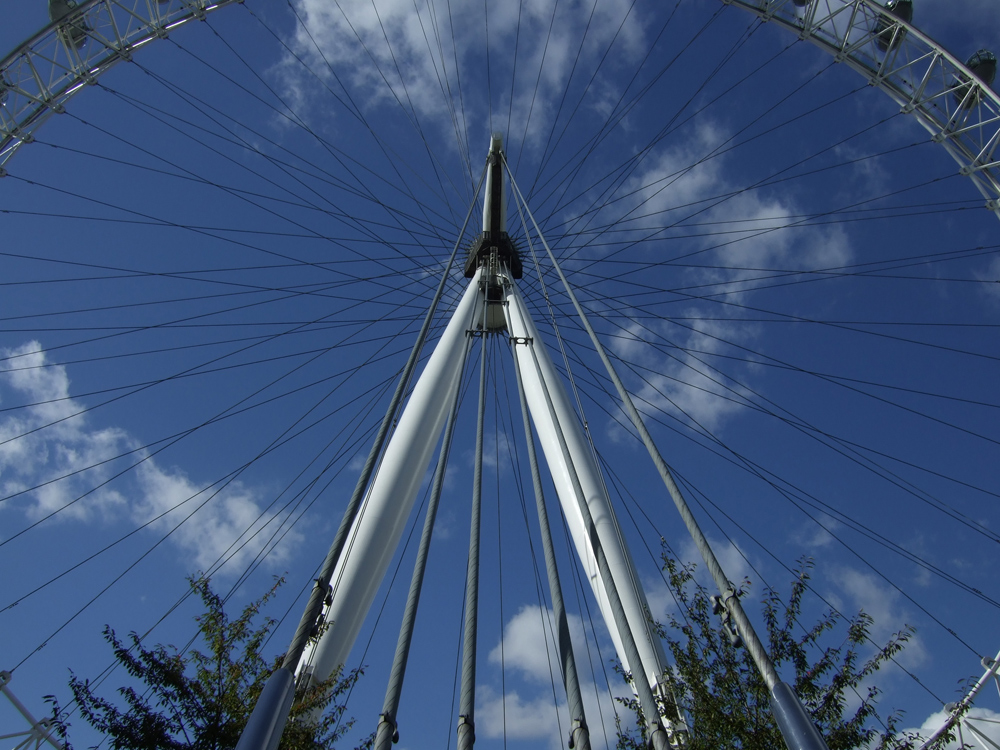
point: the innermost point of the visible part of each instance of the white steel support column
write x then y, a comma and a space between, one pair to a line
42, 732
542, 377
377, 530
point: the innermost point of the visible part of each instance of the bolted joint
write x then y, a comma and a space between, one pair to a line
387, 719
654, 730
317, 626
465, 721
720, 606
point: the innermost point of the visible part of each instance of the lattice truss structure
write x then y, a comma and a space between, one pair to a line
39, 77
969, 725
959, 110
41, 733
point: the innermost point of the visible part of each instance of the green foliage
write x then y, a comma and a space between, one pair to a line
201, 698
723, 698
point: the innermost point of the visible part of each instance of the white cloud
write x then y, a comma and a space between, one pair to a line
683, 181
58, 460
991, 274
527, 644
224, 521
529, 707
496, 453
49, 438
884, 604
811, 536
515, 718
405, 54
978, 722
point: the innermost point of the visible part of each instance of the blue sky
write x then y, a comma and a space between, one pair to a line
216, 260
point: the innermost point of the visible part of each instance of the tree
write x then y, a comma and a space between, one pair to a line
201, 698
723, 698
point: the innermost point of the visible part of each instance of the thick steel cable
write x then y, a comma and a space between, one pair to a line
788, 710
754, 646
467, 701
302, 634
579, 731
387, 732
264, 728
640, 683
756, 649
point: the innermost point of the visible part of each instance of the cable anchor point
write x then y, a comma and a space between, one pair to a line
720, 606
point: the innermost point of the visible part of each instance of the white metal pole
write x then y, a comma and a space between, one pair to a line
796, 725
958, 710
380, 523
538, 380
40, 732
470, 636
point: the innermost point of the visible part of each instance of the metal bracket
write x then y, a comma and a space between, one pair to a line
720, 606
464, 720
392, 723
321, 616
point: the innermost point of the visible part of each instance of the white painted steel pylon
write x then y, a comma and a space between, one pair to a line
491, 304
963, 723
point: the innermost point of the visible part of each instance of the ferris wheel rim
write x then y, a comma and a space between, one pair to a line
97, 0
981, 165
870, 22
40, 95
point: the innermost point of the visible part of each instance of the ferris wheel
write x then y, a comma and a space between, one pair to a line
222, 250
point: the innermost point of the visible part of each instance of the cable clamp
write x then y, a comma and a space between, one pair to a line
318, 625
654, 727
387, 719
521, 340
577, 725
720, 606
464, 720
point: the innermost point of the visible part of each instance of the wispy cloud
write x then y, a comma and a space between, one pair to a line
55, 462
529, 657
859, 590
683, 183
979, 722
421, 58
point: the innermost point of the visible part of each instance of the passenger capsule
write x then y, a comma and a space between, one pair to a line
74, 31
983, 65
885, 32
